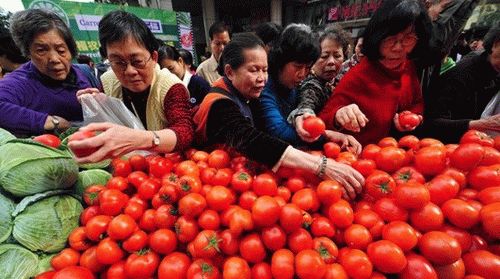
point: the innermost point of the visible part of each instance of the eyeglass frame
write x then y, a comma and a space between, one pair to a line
388, 44
122, 65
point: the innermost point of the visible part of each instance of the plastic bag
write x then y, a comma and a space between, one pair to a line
492, 108
103, 108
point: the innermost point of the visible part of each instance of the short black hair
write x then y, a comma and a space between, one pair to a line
168, 52
233, 52
187, 57
9, 48
297, 43
391, 18
117, 25
26, 25
84, 59
492, 37
336, 33
268, 32
218, 27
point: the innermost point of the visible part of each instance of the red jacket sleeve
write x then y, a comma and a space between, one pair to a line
179, 115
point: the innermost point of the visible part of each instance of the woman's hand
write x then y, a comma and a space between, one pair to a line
405, 128
351, 180
351, 118
61, 127
303, 134
82, 92
345, 141
112, 141
490, 123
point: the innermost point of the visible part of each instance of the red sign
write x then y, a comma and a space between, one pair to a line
353, 11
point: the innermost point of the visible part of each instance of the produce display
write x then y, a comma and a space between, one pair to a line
428, 210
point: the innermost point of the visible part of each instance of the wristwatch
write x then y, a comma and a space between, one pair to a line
55, 121
156, 139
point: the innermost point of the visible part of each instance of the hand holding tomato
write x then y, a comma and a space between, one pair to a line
407, 120
303, 133
351, 180
351, 118
347, 142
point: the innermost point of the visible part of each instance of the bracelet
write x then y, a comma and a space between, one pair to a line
320, 172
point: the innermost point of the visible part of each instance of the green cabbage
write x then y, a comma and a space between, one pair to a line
17, 262
44, 262
27, 168
44, 223
5, 136
91, 177
6, 208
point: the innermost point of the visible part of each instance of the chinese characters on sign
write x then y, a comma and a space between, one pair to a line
353, 11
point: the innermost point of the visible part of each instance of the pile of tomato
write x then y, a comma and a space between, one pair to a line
428, 210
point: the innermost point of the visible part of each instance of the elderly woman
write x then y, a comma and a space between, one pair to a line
39, 97
158, 98
317, 87
370, 96
225, 117
170, 58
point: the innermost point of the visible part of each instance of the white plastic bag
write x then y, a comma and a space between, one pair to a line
492, 108
103, 108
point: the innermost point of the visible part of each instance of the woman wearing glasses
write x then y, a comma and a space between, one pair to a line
369, 97
157, 97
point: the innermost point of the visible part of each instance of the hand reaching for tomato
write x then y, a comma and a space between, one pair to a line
299, 127
407, 121
351, 180
351, 118
347, 142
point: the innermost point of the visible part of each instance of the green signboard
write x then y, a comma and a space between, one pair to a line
83, 20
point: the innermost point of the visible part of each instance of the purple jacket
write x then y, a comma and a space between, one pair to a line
27, 98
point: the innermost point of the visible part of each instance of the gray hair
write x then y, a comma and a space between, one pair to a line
27, 24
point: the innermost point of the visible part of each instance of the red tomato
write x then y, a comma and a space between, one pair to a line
314, 126
473, 136
326, 248
357, 236
418, 268
300, 240
442, 188
174, 266
97, 226
88, 213
322, 226
236, 268
88, 259
138, 163
46, 275
439, 248
121, 167
91, 194
379, 184
282, 264
408, 119
112, 202
137, 241
388, 141
241, 181
408, 174
457, 175
455, 270
341, 214
370, 151
109, 252
206, 244
428, 218
412, 195
365, 166
240, 220
490, 218
160, 167
389, 210
147, 221
460, 213
482, 263
78, 240
430, 160
48, 140
329, 191
81, 135
483, 177
489, 195
136, 178
462, 236
306, 199
265, 211
386, 256
203, 269
252, 249
409, 142
74, 272
121, 227
192, 205
331, 150
67, 257
116, 270
467, 156
218, 159
335, 271
356, 263
229, 243
274, 237
219, 198
390, 159
163, 241
209, 220
142, 265
118, 183
262, 271
291, 217
265, 184
401, 234
186, 229
309, 264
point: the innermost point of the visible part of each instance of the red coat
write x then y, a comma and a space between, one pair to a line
379, 95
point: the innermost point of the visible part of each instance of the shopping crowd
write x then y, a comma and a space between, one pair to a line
256, 89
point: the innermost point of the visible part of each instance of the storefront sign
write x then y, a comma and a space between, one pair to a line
353, 11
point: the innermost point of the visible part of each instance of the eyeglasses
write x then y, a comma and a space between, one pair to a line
137, 63
406, 41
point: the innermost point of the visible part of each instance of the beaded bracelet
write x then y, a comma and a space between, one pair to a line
321, 167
